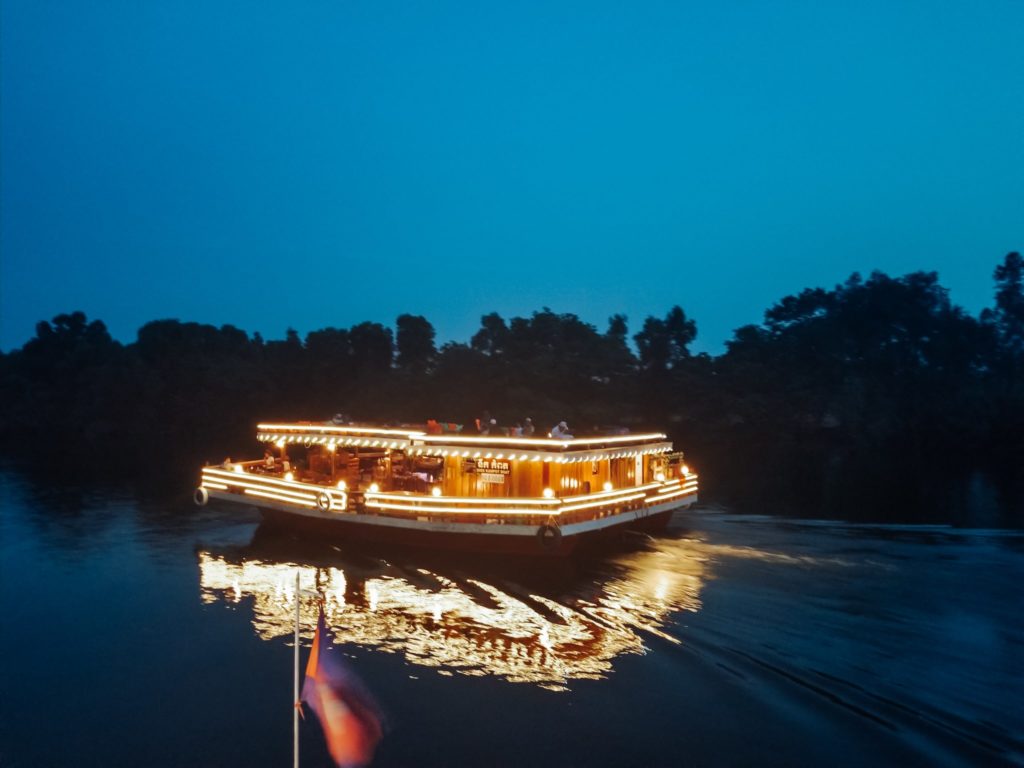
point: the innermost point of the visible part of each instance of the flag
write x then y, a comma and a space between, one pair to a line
347, 712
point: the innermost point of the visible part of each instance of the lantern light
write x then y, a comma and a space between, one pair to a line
548, 493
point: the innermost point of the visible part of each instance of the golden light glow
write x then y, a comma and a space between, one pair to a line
332, 429
284, 495
306, 494
473, 624
602, 502
259, 480
608, 496
290, 499
689, 483
662, 497
540, 442
466, 510
410, 498
281, 491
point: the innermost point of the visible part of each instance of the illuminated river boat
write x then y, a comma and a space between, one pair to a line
445, 489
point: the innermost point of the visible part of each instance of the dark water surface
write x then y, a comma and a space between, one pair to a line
154, 633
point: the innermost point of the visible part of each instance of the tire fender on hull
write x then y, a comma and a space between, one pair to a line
549, 537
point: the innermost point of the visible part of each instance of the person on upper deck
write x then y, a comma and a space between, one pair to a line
561, 431
268, 460
528, 428
483, 424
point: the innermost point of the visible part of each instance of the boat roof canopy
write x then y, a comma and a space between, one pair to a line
418, 442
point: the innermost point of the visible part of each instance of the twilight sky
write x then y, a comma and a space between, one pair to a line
322, 163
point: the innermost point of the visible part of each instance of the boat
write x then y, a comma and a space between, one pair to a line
436, 486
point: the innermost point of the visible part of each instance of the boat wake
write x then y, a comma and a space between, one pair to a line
827, 628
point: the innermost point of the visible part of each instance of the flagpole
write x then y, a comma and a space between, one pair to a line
295, 709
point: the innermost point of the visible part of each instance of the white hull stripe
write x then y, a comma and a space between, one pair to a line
438, 526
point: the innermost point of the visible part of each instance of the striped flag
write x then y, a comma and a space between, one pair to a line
347, 713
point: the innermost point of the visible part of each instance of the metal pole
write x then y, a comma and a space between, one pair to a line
295, 709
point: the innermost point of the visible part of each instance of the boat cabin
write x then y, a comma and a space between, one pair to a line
437, 487
378, 459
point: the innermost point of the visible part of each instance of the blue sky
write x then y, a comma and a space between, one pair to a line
276, 165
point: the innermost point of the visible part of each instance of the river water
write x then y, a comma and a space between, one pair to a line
151, 632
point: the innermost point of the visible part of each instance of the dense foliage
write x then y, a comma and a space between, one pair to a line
875, 399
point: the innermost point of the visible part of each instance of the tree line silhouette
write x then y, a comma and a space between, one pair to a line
877, 399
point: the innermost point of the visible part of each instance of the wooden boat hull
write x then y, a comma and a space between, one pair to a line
534, 540
530, 545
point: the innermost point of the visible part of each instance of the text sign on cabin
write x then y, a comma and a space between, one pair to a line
492, 470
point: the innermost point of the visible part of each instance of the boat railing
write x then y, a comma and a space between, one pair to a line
252, 478
274, 487
567, 509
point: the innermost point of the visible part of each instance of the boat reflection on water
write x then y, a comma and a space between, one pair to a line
516, 620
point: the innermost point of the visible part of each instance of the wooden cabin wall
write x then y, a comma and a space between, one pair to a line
458, 482
555, 478
526, 479
529, 478
580, 477
454, 481
623, 473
